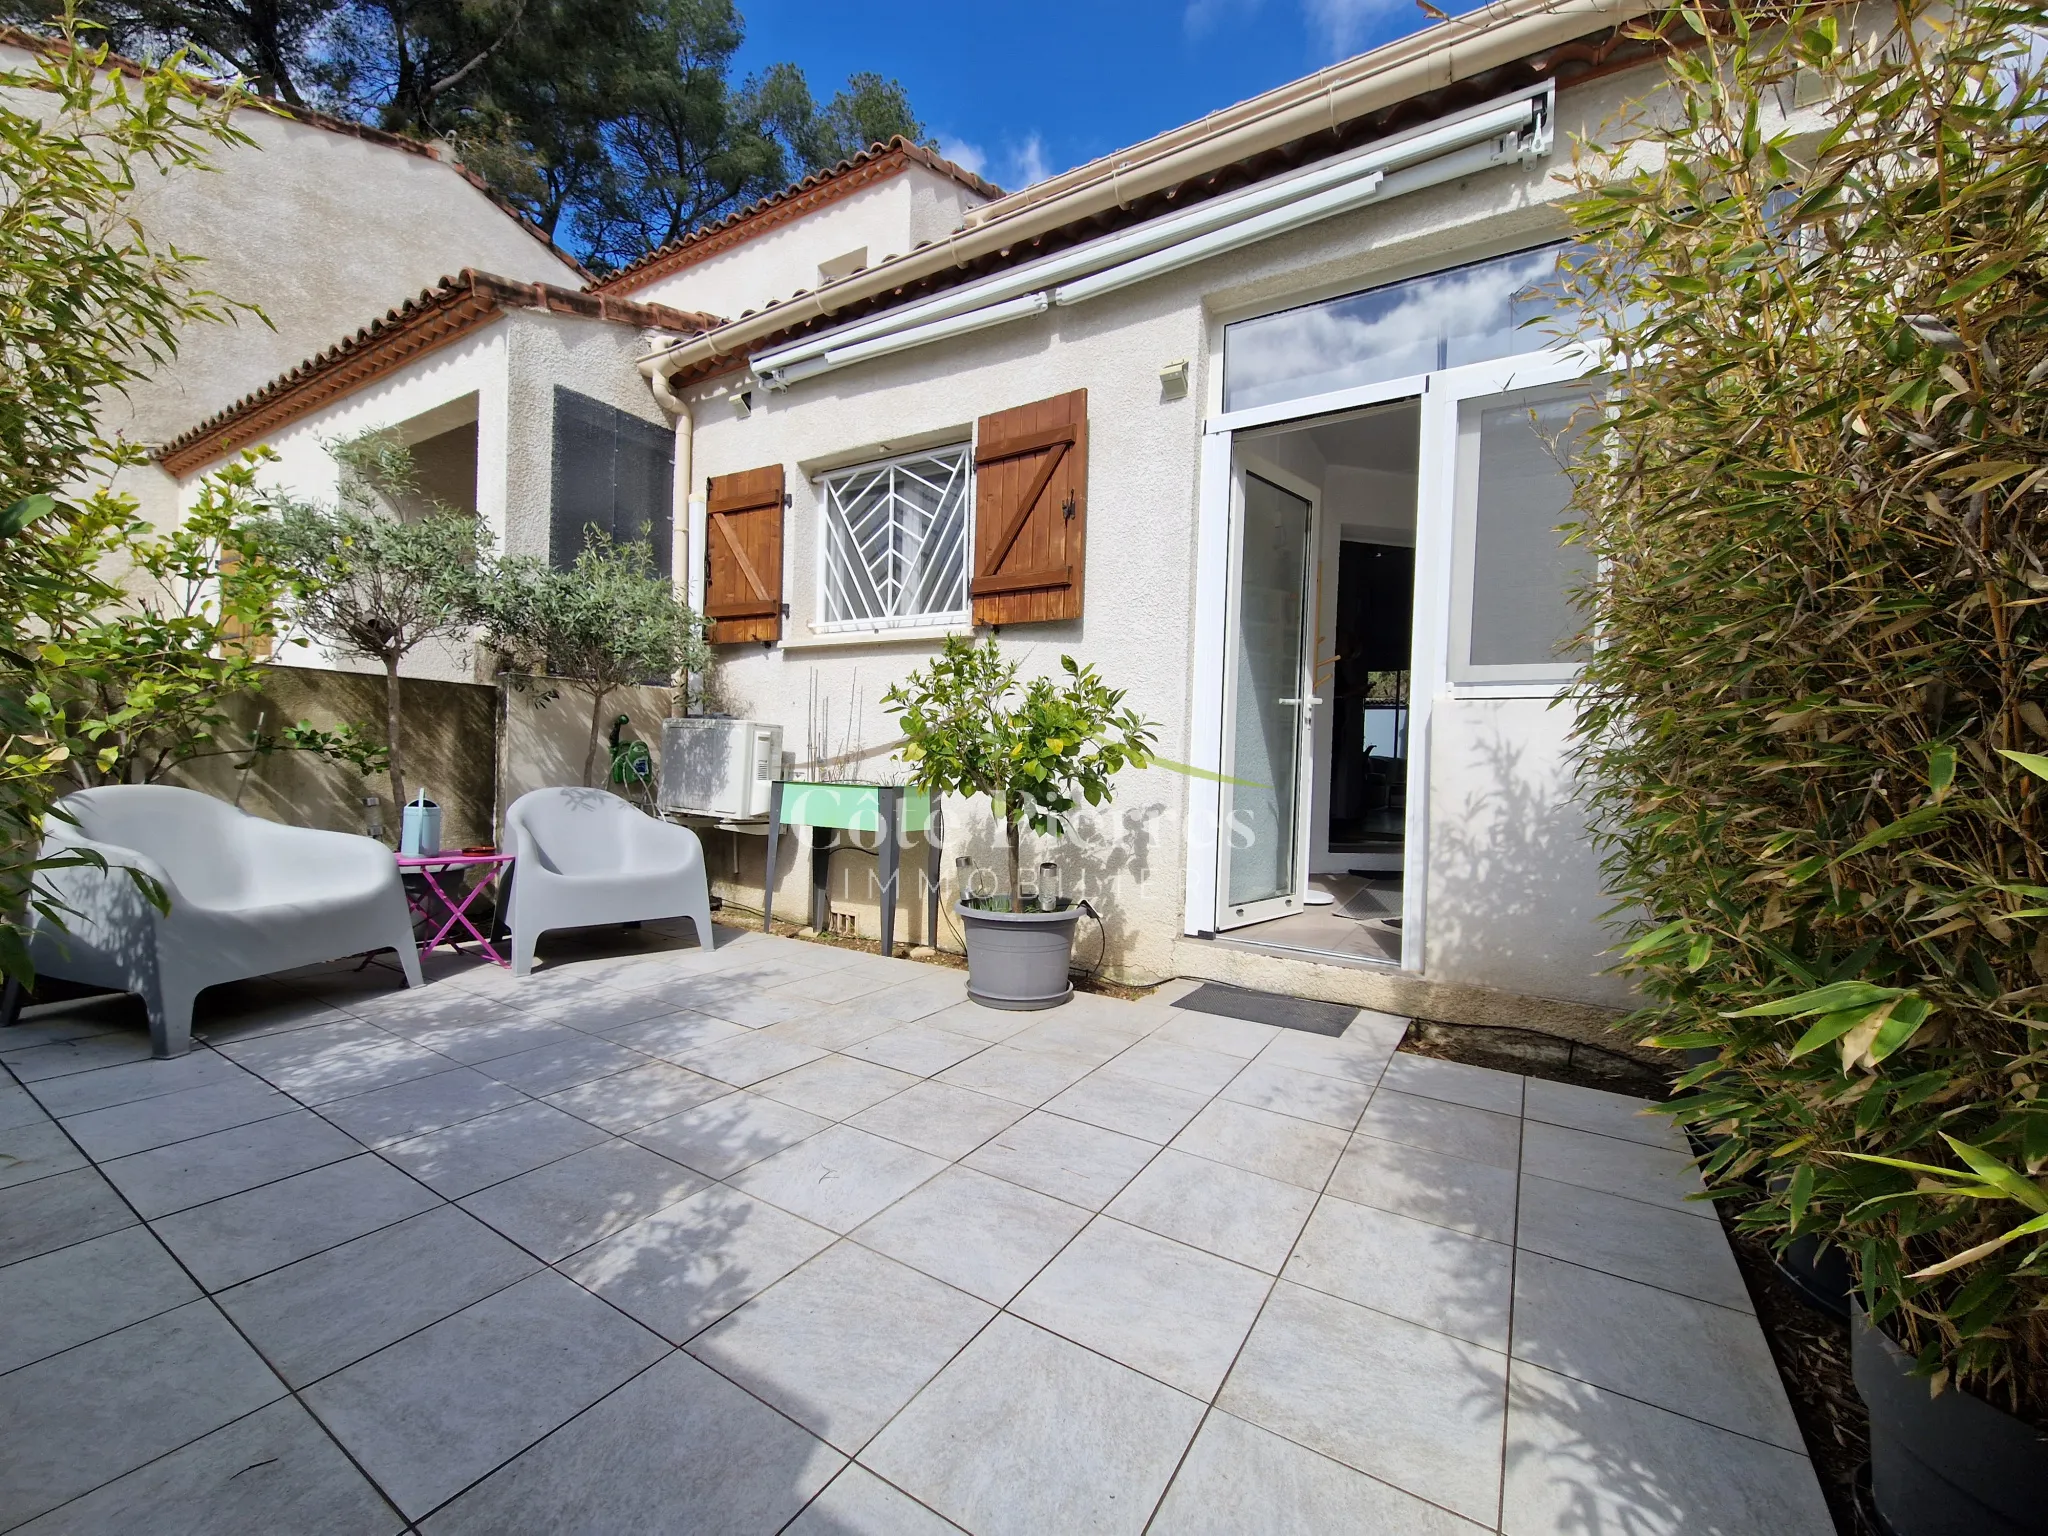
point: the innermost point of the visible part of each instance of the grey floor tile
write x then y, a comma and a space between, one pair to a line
1437, 1126
155, 1122
1194, 1068
1174, 1312
1613, 1166
991, 1026
921, 1049
132, 1081
461, 1159
1080, 1164
1213, 1032
1455, 1082
639, 1096
838, 985
404, 1110
61, 1058
91, 1414
940, 1119
832, 1029
1278, 1146
746, 1060
922, 999
434, 1412
982, 1234
844, 1342
1093, 1027
1026, 1433
557, 1209
860, 1504
682, 1269
1453, 1192
271, 1013
675, 1033
412, 1011
230, 1240
19, 1107
1381, 1031
552, 1068
77, 1293
1360, 1060
1135, 1106
1610, 1114
1579, 1459
1633, 1239
51, 1213
1407, 1405
676, 1448
750, 1007
274, 1471
332, 1062
1450, 1281
1335, 1101
189, 1173
596, 1011
1240, 1480
839, 1177
1217, 1208
837, 1087
1025, 1077
1688, 1356
730, 1133
508, 1032
313, 1317
31, 1152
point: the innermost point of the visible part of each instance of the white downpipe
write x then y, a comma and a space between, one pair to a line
686, 512
1457, 146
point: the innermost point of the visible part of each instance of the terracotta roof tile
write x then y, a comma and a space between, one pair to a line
438, 316
876, 163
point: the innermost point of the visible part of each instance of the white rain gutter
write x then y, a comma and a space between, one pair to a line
1499, 33
1511, 129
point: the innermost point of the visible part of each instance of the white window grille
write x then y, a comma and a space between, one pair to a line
893, 549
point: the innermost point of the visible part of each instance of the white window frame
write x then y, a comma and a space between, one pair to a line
824, 484
1469, 391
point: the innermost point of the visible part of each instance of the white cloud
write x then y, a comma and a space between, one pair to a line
1344, 26
969, 157
1018, 164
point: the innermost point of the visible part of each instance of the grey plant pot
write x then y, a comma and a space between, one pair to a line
1018, 960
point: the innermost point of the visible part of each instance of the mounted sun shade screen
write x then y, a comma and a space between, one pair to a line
613, 472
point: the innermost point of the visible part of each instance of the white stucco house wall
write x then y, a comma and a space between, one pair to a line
321, 224
1244, 416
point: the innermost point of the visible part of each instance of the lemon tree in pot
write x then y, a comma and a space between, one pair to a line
1814, 722
1036, 750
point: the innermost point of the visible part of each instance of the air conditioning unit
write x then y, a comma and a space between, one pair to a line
718, 767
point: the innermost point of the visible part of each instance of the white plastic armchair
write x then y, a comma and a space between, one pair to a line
247, 897
585, 857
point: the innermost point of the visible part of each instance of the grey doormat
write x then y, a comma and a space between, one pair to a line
1268, 1008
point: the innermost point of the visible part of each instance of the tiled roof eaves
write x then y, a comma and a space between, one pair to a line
440, 315
817, 190
313, 117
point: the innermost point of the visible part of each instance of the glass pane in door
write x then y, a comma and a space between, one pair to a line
1266, 730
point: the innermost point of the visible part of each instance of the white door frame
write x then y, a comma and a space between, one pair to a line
1436, 557
1247, 461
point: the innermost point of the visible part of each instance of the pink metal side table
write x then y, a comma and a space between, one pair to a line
430, 867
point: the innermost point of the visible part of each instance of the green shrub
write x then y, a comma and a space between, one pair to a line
1820, 503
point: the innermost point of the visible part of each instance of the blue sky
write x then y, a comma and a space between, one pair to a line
1018, 89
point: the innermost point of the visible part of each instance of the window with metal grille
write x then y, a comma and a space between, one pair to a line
893, 545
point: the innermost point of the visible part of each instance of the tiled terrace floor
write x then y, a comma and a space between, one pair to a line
786, 1237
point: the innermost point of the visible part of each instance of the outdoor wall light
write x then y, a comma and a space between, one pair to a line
743, 404
1173, 380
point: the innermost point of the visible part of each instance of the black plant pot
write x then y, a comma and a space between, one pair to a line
1951, 1465
1820, 1273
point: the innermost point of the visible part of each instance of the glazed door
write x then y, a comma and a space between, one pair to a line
1269, 700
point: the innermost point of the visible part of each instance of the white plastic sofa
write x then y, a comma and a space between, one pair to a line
586, 857
247, 897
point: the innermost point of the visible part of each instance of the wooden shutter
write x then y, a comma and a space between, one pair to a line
743, 560
1031, 511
